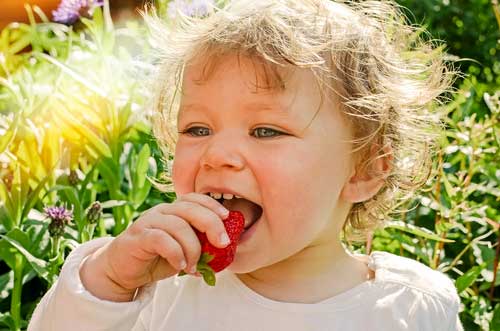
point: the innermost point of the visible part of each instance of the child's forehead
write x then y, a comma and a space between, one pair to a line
264, 79
254, 88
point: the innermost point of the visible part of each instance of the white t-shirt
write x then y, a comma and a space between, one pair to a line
403, 295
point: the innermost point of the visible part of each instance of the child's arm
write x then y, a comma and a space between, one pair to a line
151, 249
68, 306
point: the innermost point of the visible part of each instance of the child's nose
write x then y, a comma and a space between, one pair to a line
222, 152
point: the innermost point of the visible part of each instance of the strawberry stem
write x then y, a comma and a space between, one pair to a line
204, 269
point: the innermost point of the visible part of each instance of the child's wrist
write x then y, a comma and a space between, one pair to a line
95, 280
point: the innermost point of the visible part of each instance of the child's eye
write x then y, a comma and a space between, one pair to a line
196, 131
266, 132
199, 131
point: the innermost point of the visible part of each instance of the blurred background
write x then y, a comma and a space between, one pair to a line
78, 159
14, 11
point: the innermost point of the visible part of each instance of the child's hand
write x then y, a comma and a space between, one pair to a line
157, 245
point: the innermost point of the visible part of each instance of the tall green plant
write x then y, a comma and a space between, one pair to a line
74, 132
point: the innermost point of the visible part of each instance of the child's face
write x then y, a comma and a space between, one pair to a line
296, 177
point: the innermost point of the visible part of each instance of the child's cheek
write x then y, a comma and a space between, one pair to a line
183, 173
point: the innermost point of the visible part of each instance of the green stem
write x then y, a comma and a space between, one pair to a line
102, 228
55, 246
108, 21
496, 10
15, 303
495, 267
56, 243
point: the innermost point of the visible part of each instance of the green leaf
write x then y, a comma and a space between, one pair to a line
9, 134
113, 203
143, 164
418, 231
205, 270
7, 320
108, 170
495, 320
6, 284
97, 144
208, 276
32, 198
6, 207
39, 265
449, 189
469, 277
140, 195
71, 73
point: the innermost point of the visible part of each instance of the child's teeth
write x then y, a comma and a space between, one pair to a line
226, 196
216, 195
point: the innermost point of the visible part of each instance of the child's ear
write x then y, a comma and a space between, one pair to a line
361, 186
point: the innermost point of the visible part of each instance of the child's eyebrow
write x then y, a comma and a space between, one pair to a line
258, 107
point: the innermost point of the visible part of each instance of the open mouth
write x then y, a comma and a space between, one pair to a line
250, 210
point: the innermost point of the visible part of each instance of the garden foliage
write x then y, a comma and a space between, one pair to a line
77, 156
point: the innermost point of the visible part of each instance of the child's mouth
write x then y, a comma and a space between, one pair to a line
251, 211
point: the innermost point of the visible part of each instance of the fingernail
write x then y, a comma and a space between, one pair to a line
224, 239
192, 270
224, 212
183, 265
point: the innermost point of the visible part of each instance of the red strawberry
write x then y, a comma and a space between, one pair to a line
215, 259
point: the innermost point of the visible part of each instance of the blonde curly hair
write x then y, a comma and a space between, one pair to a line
385, 73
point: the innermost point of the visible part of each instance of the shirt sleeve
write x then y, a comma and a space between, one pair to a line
456, 325
438, 310
69, 306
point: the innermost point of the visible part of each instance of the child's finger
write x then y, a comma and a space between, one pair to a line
159, 242
205, 201
203, 219
179, 230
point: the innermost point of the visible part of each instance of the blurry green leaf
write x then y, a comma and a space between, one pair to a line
95, 141
7, 136
449, 189
33, 198
6, 205
140, 195
495, 320
142, 166
418, 231
6, 283
71, 73
469, 277
7, 320
109, 173
39, 265
484, 254
113, 203
39, 237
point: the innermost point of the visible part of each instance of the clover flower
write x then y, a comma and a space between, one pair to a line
198, 8
59, 218
94, 212
69, 11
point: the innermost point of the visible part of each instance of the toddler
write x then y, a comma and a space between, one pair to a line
311, 118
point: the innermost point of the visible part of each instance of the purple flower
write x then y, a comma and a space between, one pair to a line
69, 11
59, 217
197, 8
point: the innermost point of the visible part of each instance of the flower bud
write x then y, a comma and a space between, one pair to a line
73, 178
94, 212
